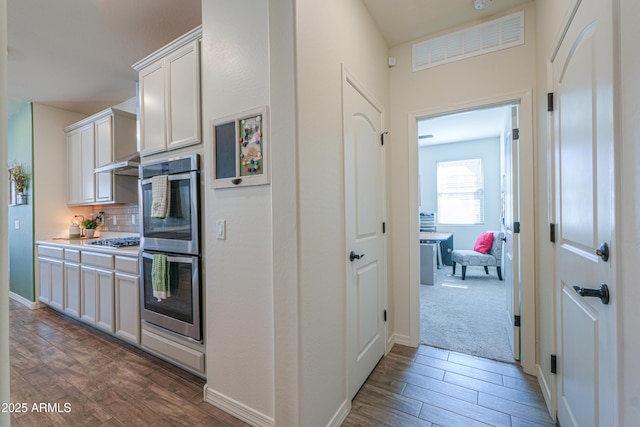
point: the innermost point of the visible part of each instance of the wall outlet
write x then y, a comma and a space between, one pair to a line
17, 224
133, 219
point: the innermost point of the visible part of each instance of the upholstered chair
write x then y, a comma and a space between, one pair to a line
473, 258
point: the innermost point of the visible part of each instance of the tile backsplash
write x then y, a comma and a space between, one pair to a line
122, 218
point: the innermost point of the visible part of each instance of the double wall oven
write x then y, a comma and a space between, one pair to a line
170, 261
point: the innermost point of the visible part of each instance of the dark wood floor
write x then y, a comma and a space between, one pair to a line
432, 387
56, 360
104, 382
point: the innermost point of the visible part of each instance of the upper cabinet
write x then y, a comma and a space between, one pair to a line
94, 142
169, 95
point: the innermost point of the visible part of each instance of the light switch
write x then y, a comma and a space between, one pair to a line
221, 229
17, 224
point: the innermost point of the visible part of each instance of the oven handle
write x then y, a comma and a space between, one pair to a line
184, 260
187, 175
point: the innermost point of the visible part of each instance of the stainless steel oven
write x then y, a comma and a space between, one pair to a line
177, 229
178, 309
170, 284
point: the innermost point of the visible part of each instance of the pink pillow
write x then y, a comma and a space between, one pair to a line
484, 242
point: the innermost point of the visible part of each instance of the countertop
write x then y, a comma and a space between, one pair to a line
82, 244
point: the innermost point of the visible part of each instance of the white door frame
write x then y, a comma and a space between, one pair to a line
527, 217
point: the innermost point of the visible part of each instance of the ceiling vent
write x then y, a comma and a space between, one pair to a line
491, 36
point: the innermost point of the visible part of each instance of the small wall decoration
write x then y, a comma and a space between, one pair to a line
241, 149
18, 183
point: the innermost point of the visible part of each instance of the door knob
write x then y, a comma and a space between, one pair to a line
353, 256
602, 292
603, 251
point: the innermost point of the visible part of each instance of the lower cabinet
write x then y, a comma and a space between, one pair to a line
51, 274
128, 307
97, 296
72, 289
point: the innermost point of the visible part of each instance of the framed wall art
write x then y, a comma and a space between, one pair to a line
241, 149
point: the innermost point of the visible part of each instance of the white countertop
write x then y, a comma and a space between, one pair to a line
82, 244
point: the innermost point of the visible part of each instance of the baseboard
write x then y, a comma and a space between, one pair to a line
340, 415
546, 391
402, 340
237, 409
22, 300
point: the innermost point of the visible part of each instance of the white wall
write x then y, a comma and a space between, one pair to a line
488, 149
51, 213
239, 281
328, 34
447, 86
629, 247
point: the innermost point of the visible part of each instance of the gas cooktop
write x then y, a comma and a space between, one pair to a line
116, 242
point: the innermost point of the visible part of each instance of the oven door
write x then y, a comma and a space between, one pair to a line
178, 232
176, 308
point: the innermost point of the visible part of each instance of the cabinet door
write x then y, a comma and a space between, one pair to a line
183, 96
44, 274
128, 307
74, 175
104, 155
88, 290
57, 285
105, 302
87, 163
152, 109
72, 289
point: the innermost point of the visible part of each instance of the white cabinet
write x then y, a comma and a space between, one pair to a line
97, 290
170, 96
50, 276
127, 299
94, 142
80, 155
72, 289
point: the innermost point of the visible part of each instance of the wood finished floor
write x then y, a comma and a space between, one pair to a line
432, 387
55, 359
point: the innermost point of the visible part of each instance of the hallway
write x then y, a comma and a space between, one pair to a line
432, 387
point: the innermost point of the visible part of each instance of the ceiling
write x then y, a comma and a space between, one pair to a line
464, 126
77, 54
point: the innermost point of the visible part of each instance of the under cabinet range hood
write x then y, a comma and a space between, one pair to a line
125, 166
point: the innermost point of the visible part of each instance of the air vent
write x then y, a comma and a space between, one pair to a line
492, 36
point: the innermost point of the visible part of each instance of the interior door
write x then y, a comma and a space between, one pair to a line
584, 158
364, 190
511, 245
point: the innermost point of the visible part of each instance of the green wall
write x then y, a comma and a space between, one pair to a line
21, 256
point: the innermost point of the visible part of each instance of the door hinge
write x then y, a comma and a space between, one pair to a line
516, 321
382, 137
384, 227
550, 101
552, 232
516, 227
554, 364
515, 134
384, 315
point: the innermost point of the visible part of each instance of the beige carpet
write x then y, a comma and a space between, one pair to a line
467, 316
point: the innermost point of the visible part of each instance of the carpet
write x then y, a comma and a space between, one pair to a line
466, 316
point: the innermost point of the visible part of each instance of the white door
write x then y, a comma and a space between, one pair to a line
364, 190
584, 157
511, 259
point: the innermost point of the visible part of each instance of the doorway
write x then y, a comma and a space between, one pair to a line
523, 291
466, 182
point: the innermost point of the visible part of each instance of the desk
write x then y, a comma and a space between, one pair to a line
445, 245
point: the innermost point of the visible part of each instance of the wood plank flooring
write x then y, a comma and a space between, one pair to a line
432, 387
104, 382
57, 360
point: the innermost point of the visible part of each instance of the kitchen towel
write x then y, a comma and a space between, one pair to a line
160, 277
160, 196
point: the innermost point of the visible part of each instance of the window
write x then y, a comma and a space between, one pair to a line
460, 192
